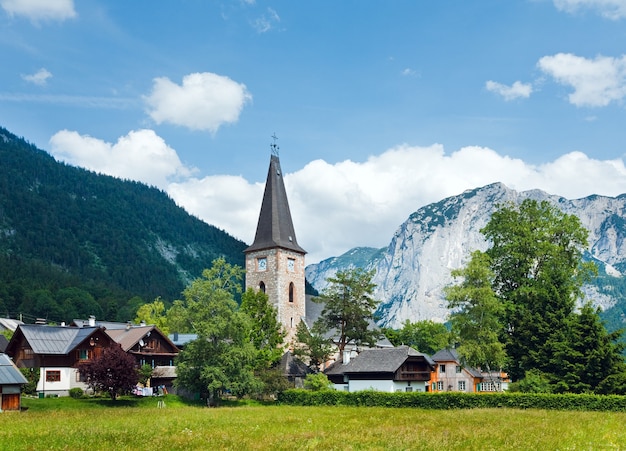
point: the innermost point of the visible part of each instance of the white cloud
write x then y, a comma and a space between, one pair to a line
39, 78
336, 207
596, 82
266, 22
611, 9
204, 101
40, 10
515, 91
141, 155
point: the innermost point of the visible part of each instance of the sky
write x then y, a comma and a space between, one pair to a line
377, 108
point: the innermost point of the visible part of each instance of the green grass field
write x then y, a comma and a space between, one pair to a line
137, 424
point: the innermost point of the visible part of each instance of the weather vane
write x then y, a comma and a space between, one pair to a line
274, 146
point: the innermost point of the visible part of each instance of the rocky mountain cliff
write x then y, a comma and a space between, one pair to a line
413, 269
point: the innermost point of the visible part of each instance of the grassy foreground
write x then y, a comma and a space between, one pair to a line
130, 424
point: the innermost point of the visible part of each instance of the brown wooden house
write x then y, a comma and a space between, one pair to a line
11, 382
57, 352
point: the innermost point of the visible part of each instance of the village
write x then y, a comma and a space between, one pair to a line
275, 266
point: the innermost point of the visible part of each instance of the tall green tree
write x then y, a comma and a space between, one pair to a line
223, 358
477, 315
536, 259
349, 308
265, 331
312, 345
426, 336
594, 356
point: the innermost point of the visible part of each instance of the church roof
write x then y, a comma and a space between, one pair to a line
275, 227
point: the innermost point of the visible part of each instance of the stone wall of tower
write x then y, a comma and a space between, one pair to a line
279, 273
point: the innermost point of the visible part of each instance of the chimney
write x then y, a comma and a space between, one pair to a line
346, 356
92, 321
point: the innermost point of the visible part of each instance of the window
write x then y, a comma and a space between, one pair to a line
461, 385
83, 354
53, 376
440, 386
458, 369
408, 389
442, 368
262, 287
291, 289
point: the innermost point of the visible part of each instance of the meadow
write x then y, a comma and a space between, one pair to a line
138, 424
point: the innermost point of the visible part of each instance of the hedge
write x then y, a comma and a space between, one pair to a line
455, 400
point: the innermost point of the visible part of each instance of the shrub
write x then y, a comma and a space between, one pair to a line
317, 382
456, 400
76, 392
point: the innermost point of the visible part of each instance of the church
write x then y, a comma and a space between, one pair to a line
275, 260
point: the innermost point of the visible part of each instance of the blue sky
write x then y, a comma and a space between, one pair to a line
379, 108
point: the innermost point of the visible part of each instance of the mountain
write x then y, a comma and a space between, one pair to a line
413, 269
75, 243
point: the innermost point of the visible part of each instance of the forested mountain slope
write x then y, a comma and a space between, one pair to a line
75, 243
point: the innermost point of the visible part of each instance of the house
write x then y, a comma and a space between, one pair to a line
383, 369
147, 344
57, 352
11, 382
451, 375
293, 369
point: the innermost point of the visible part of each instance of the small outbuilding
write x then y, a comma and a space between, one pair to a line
11, 382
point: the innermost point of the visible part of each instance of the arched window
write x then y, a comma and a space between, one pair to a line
291, 288
262, 287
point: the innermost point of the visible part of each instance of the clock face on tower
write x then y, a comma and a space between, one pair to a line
291, 265
262, 264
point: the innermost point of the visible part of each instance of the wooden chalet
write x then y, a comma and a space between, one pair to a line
57, 352
146, 343
11, 382
385, 369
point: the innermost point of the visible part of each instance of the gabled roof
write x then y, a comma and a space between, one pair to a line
54, 339
291, 366
446, 355
383, 360
9, 324
450, 355
275, 227
9, 374
130, 336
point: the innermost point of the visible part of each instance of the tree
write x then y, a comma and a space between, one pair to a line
536, 259
312, 345
154, 313
349, 308
477, 314
223, 357
113, 371
593, 355
265, 331
426, 336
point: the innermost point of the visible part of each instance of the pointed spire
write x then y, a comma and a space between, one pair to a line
275, 227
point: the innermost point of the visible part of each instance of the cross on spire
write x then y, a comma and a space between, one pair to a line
274, 146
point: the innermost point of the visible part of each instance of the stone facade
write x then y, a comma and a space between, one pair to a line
282, 279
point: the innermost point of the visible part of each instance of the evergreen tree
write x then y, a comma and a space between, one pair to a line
477, 315
313, 346
349, 308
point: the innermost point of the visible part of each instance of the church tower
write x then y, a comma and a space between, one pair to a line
275, 261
